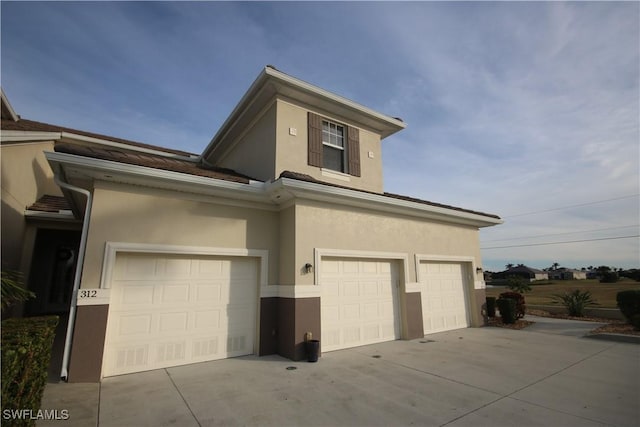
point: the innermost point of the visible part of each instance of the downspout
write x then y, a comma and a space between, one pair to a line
76, 281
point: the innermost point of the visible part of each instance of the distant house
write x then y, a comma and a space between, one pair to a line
567, 274
521, 270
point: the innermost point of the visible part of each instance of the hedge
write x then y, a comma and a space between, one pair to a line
629, 304
507, 307
26, 352
519, 299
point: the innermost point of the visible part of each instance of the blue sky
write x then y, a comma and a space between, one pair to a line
527, 110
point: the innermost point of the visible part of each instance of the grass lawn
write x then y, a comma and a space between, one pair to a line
603, 293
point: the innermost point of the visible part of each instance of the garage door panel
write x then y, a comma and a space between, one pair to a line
135, 268
174, 293
185, 310
363, 310
135, 294
174, 267
173, 352
209, 292
206, 319
352, 335
134, 325
444, 296
371, 311
371, 289
350, 312
173, 322
205, 348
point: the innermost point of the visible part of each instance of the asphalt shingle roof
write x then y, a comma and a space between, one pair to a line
304, 177
48, 203
151, 161
33, 126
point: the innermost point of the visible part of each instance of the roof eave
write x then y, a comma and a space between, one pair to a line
337, 195
87, 168
271, 196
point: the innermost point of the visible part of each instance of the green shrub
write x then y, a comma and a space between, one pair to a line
609, 277
629, 305
26, 352
491, 306
519, 299
575, 301
507, 307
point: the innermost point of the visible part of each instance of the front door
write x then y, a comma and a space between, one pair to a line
53, 266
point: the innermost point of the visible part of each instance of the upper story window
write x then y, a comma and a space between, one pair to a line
333, 146
333, 152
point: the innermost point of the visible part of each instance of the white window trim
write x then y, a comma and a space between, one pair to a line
330, 173
345, 141
112, 249
329, 122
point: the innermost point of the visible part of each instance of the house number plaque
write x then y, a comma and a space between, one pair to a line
93, 296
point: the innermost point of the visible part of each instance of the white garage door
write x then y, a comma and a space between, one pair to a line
444, 301
172, 310
359, 302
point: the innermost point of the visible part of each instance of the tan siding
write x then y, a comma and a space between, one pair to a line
26, 176
293, 151
254, 152
137, 215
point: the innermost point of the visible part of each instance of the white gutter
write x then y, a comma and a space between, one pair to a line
64, 373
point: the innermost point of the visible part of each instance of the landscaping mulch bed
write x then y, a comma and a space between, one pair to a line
520, 323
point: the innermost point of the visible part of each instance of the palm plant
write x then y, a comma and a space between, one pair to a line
575, 301
13, 290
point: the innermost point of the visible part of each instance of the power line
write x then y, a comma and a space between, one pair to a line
561, 243
572, 206
561, 234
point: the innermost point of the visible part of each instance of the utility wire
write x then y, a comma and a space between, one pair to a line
561, 243
561, 234
572, 206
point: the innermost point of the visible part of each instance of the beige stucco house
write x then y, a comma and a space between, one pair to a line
278, 230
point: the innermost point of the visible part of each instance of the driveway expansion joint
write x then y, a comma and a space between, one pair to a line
182, 397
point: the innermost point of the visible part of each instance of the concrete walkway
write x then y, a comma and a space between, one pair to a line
469, 377
573, 328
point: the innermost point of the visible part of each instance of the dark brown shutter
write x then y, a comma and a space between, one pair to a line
354, 151
315, 140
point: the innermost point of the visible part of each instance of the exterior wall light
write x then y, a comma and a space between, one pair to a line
479, 270
308, 268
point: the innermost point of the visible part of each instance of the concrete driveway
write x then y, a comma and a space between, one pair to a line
469, 377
